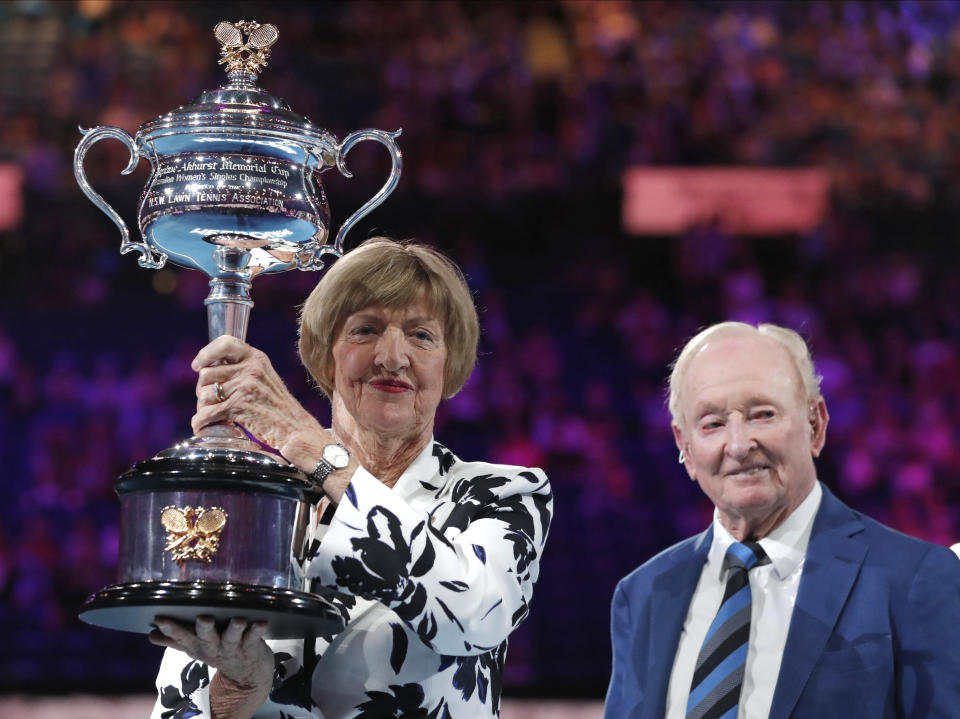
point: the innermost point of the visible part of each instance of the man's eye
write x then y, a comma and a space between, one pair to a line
763, 414
711, 424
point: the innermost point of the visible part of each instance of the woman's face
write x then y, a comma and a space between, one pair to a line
388, 369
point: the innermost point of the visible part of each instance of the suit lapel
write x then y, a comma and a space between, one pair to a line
833, 560
669, 602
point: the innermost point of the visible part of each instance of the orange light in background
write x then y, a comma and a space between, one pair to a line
11, 196
164, 281
739, 200
93, 9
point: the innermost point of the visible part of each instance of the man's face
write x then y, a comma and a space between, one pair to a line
747, 431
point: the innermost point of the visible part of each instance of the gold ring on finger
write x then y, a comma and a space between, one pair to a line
221, 397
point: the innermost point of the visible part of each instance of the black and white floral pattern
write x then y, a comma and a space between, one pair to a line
435, 573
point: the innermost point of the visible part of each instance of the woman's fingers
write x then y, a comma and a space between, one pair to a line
206, 629
173, 629
238, 651
253, 635
211, 393
222, 373
171, 633
223, 350
162, 640
251, 394
251, 379
233, 634
213, 413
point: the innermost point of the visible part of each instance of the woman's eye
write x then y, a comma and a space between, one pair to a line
362, 330
423, 335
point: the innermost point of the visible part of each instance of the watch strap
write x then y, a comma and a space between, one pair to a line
325, 468
321, 472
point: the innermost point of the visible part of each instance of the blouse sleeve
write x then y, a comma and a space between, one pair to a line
463, 586
183, 687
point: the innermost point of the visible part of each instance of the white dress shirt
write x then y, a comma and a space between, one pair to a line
773, 588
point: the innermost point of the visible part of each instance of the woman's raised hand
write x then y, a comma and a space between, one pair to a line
237, 383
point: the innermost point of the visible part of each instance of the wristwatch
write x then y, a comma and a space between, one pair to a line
334, 457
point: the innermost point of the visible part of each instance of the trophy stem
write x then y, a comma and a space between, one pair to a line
228, 308
228, 313
229, 303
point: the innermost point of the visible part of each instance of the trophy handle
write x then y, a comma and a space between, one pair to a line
148, 257
387, 139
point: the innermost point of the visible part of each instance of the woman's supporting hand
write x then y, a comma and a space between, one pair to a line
242, 658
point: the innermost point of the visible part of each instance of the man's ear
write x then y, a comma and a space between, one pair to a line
819, 417
682, 447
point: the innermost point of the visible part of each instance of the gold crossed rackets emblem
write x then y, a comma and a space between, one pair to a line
244, 55
192, 532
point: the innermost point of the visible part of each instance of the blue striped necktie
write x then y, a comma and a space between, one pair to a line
718, 677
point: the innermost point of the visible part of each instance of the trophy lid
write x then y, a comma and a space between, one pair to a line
240, 109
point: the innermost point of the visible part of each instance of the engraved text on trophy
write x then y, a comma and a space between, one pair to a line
192, 181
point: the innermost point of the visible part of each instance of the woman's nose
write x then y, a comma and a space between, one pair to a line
391, 351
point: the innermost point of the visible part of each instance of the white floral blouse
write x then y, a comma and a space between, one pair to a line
434, 573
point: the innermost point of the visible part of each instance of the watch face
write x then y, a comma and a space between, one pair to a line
336, 456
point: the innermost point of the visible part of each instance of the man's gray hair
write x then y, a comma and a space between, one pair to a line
791, 341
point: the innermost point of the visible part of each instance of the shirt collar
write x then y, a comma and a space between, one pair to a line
786, 545
422, 469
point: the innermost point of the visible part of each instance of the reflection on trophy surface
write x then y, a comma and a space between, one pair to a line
235, 191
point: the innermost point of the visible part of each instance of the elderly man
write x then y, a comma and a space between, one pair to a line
790, 604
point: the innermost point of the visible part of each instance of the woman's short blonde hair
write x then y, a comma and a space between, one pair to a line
385, 273
790, 340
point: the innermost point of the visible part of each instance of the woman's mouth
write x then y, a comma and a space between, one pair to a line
393, 386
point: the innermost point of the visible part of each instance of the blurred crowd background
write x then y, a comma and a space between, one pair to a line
519, 119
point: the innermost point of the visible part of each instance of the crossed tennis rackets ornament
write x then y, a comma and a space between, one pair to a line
245, 55
192, 532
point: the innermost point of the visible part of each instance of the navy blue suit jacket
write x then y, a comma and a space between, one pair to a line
875, 632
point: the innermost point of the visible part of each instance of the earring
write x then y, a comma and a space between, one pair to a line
682, 458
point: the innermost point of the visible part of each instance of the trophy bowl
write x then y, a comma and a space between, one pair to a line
219, 524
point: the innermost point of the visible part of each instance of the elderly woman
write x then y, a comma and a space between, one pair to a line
435, 558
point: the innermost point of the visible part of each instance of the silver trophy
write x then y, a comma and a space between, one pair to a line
218, 525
